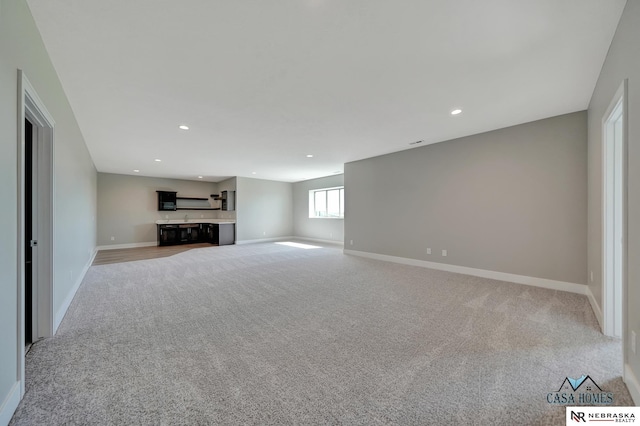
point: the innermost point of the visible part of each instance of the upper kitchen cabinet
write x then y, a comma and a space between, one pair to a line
167, 200
228, 200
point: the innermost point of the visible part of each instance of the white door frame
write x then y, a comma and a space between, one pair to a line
31, 107
617, 109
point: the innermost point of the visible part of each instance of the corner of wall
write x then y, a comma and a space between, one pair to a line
632, 383
59, 315
595, 307
10, 404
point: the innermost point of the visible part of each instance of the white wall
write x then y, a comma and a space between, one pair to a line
74, 182
263, 209
623, 61
128, 206
315, 228
512, 200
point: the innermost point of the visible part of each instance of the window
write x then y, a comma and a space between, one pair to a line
326, 203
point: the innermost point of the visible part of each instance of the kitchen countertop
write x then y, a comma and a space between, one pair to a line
182, 221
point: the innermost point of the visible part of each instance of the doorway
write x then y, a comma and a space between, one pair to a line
35, 221
614, 214
29, 335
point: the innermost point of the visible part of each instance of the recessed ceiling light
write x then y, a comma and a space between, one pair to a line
136, 170
456, 111
309, 155
158, 160
199, 177
253, 173
183, 127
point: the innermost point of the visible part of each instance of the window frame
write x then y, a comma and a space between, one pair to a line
312, 202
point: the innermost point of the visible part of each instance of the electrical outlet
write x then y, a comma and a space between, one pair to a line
330, 234
264, 232
350, 242
591, 275
444, 253
113, 238
633, 342
428, 251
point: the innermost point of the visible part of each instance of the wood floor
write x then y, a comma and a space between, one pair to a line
105, 257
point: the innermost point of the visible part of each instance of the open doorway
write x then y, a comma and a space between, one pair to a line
29, 335
35, 221
614, 214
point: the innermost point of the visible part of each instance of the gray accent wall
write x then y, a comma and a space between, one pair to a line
74, 179
315, 228
512, 200
263, 209
128, 206
623, 61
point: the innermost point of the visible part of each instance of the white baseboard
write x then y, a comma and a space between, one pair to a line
67, 301
10, 404
632, 383
494, 275
596, 308
264, 240
317, 240
126, 246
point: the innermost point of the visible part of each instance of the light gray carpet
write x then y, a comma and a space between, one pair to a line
269, 334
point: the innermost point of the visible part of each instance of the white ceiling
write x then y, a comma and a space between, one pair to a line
261, 84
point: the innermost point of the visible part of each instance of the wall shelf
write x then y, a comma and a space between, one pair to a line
168, 201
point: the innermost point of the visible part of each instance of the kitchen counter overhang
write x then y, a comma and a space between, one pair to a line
180, 221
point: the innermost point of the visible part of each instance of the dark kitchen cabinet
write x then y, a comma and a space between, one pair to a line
210, 233
167, 200
168, 235
195, 233
221, 234
190, 233
180, 234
